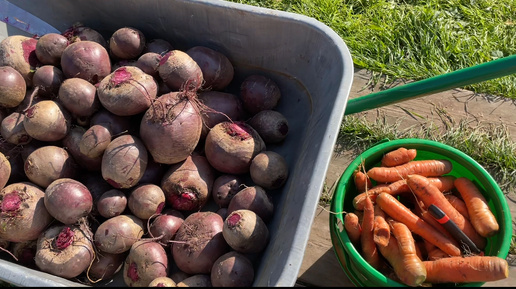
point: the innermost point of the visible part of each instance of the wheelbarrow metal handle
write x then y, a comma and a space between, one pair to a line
459, 78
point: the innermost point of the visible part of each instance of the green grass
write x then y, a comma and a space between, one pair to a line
418, 39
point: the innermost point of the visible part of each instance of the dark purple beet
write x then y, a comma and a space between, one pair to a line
111, 203
115, 123
87, 60
83, 33
220, 106
50, 47
199, 242
216, 68
72, 144
146, 200
225, 187
149, 63
48, 79
165, 225
158, 45
154, 172
271, 125
187, 185
12, 87
70, 194
127, 43
79, 96
259, 93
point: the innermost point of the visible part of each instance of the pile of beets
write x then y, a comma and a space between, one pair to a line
128, 155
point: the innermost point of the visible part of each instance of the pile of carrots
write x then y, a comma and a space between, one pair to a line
397, 235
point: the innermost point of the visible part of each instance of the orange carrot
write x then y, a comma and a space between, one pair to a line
444, 183
362, 181
429, 194
427, 168
382, 231
369, 249
359, 200
353, 228
378, 211
458, 204
396, 210
433, 253
407, 265
481, 217
398, 157
466, 269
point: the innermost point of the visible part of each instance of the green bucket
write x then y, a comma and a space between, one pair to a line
355, 267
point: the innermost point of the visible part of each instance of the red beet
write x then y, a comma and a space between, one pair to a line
146, 261
187, 185
145, 200
180, 72
88, 60
23, 215
114, 123
199, 243
70, 194
253, 198
117, 234
149, 63
171, 127
79, 96
225, 187
165, 226
111, 203
12, 87
49, 163
219, 107
162, 282
19, 52
154, 172
50, 47
269, 170
271, 125
127, 91
65, 250
259, 92
5, 170
47, 120
232, 269
47, 79
72, 143
105, 265
127, 43
83, 33
217, 70
25, 253
94, 141
158, 45
231, 146
13, 131
124, 161
245, 232
196, 280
